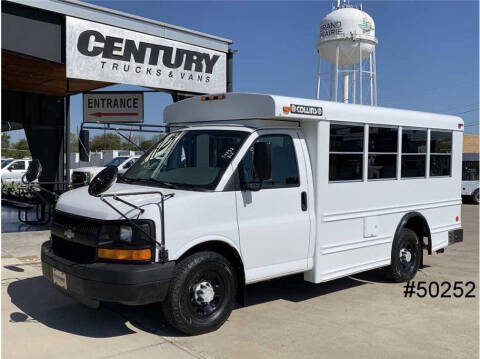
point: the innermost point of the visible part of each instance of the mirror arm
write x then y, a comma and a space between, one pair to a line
163, 197
43, 189
115, 197
128, 140
258, 186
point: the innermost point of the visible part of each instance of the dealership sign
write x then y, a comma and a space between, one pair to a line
106, 53
113, 107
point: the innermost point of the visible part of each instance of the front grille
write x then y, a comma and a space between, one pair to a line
86, 227
77, 238
79, 179
72, 251
80, 248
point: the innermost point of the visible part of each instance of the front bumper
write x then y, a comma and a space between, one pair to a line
132, 284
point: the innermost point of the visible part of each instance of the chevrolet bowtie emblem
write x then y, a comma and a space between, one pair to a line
69, 234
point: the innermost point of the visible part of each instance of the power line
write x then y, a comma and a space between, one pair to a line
449, 108
461, 113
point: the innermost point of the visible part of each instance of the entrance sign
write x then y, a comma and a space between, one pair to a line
106, 53
113, 107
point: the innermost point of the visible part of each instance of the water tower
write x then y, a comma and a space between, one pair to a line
347, 42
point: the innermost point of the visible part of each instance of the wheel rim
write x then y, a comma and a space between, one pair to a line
207, 294
408, 256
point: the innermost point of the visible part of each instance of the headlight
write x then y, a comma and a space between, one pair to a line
126, 233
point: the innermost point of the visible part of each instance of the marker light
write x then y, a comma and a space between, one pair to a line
457, 218
286, 109
125, 254
211, 98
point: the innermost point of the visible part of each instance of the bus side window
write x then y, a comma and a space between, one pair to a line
440, 153
414, 153
346, 152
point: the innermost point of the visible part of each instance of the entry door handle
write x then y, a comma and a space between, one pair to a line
304, 201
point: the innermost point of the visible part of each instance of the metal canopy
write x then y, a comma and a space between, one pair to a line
34, 54
35, 83
128, 21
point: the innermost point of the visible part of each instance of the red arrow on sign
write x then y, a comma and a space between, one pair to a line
102, 114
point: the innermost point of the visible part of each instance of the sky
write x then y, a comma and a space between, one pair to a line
427, 53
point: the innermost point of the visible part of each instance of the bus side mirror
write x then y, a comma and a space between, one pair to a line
262, 160
84, 145
34, 171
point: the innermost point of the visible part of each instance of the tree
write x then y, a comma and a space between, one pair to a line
126, 145
18, 149
145, 144
5, 141
109, 141
21, 145
73, 142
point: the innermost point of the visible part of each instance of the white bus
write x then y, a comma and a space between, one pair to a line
255, 187
470, 177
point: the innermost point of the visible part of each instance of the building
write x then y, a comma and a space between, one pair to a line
470, 168
53, 49
470, 143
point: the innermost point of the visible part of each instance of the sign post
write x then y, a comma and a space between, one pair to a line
124, 107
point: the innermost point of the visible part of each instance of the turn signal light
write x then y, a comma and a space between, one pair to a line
125, 254
286, 109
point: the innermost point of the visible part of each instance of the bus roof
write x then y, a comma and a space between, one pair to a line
238, 107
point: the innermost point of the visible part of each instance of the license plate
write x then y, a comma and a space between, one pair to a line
59, 278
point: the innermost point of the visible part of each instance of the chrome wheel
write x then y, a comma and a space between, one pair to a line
408, 254
207, 293
203, 293
405, 256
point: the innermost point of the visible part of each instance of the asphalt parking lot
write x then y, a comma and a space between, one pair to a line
363, 316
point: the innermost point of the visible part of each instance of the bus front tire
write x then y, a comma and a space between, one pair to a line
202, 293
406, 256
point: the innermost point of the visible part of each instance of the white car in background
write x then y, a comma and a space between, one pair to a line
13, 170
83, 175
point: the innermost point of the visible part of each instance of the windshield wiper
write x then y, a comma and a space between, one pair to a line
124, 179
165, 184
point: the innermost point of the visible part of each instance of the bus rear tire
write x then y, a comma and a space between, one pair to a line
406, 256
475, 196
202, 293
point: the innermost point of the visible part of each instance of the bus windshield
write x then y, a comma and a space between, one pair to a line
190, 159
